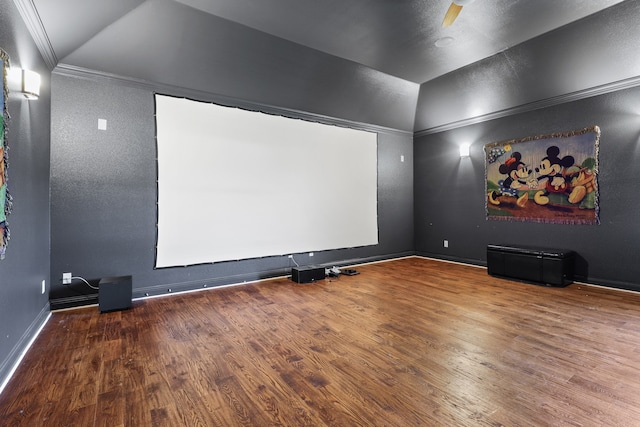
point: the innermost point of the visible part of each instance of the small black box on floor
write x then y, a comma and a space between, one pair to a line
114, 293
307, 274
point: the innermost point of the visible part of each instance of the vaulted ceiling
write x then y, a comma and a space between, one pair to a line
396, 37
401, 43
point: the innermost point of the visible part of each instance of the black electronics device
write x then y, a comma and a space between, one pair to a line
550, 267
114, 293
307, 274
349, 272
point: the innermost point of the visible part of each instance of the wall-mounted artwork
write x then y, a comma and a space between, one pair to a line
5, 197
548, 178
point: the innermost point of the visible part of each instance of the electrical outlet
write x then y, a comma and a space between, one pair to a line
310, 253
66, 278
290, 256
446, 243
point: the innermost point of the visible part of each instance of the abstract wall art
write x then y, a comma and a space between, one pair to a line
5, 197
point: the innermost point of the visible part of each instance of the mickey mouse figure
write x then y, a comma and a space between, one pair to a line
556, 171
517, 173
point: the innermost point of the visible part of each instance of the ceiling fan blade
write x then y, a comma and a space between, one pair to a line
452, 14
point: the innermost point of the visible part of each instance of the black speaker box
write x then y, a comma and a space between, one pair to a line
307, 274
114, 293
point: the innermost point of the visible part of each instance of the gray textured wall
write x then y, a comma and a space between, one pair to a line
22, 306
103, 195
449, 190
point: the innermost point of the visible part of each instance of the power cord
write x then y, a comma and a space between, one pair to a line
294, 260
88, 284
333, 271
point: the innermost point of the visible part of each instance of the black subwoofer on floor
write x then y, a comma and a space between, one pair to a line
114, 293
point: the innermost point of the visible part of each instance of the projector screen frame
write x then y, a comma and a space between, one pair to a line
373, 138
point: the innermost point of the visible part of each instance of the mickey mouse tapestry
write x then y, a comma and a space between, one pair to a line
5, 197
549, 178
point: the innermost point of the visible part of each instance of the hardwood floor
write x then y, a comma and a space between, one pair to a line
406, 343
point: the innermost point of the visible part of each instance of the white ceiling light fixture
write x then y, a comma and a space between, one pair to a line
444, 41
464, 150
454, 11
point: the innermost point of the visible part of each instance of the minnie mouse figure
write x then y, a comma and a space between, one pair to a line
517, 179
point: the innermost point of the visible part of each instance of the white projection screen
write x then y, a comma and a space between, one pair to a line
235, 184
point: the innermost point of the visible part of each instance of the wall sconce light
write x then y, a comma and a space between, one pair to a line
464, 150
24, 81
30, 84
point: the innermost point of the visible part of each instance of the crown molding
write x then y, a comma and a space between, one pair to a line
537, 105
33, 22
83, 73
78, 72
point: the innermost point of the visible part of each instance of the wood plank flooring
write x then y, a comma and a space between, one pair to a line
410, 342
